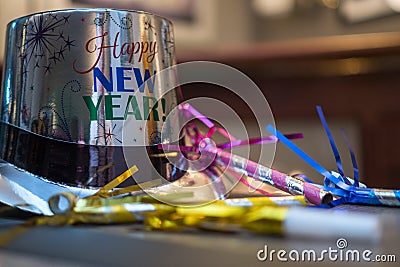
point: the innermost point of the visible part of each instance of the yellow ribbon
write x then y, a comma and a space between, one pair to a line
260, 214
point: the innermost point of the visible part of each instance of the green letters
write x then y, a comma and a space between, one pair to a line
147, 109
110, 106
91, 107
150, 107
135, 108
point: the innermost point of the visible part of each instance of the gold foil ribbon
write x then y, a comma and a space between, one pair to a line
258, 214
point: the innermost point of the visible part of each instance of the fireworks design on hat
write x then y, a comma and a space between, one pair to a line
107, 135
168, 44
43, 35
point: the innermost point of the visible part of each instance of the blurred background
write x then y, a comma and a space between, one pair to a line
341, 54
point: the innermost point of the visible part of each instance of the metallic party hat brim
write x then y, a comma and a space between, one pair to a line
30, 192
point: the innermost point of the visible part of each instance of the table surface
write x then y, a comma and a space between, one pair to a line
130, 245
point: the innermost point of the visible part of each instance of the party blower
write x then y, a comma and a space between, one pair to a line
73, 82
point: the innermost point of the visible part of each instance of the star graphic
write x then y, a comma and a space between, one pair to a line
54, 16
83, 19
60, 36
61, 53
54, 58
66, 19
168, 40
168, 46
69, 43
47, 68
108, 135
25, 111
149, 26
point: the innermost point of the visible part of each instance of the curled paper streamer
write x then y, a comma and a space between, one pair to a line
347, 190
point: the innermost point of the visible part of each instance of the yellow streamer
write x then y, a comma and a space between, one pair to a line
259, 214
117, 181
